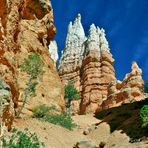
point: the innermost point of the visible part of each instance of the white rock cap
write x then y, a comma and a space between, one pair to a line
53, 49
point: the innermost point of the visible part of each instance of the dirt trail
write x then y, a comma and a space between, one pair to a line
55, 136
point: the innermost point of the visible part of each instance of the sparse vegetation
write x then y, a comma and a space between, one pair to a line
33, 66
22, 139
40, 111
63, 120
70, 94
44, 112
144, 116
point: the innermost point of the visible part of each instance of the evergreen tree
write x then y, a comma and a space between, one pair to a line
70, 94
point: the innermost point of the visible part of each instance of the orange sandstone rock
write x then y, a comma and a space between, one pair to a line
27, 26
88, 63
127, 91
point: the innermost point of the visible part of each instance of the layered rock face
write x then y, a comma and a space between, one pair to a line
26, 27
127, 91
88, 63
71, 60
97, 70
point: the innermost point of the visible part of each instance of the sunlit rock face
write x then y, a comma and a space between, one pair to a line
71, 60
53, 50
88, 63
97, 70
27, 26
126, 91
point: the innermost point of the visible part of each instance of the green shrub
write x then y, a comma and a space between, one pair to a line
63, 120
32, 87
45, 113
32, 65
40, 111
144, 115
53, 107
70, 94
22, 139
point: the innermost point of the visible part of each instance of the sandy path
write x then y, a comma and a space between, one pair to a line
55, 136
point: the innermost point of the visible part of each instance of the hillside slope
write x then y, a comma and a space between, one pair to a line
118, 127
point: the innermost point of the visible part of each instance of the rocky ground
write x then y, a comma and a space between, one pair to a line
118, 127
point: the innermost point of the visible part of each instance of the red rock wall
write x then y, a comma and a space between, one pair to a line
26, 27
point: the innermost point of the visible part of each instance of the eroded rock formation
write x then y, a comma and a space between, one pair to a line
97, 70
71, 60
26, 26
88, 63
53, 50
127, 91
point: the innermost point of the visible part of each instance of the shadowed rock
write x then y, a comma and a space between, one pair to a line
6, 106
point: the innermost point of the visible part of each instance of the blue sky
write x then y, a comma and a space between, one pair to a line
125, 23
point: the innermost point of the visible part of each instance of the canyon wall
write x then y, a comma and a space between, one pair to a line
27, 26
88, 63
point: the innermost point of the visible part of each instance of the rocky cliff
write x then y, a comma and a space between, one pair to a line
27, 26
88, 63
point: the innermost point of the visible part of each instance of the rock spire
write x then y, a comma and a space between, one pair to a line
88, 63
97, 70
71, 59
53, 50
